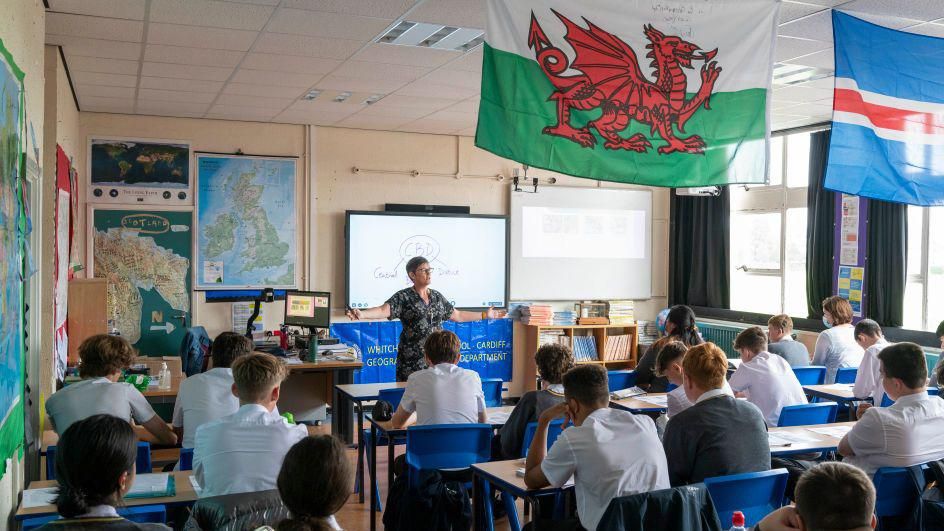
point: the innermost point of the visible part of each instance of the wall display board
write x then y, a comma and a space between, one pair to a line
246, 217
145, 255
581, 243
139, 171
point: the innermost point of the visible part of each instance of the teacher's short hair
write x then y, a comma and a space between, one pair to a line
415, 264
442, 347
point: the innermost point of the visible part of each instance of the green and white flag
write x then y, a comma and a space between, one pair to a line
657, 92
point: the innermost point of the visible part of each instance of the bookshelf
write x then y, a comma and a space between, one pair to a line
622, 335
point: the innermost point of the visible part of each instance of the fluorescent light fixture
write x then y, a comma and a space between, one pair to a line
788, 74
423, 34
311, 94
374, 98
396, 31
342, 97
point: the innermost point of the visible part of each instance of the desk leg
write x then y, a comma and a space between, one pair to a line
477, 518
373, 479
341, 413
360, 448
391, 441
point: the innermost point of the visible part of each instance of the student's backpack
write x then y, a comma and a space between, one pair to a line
929, 510
436, 504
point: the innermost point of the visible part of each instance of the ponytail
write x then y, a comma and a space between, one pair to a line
305, 523
70, 502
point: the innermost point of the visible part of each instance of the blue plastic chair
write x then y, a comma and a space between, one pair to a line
756, 494
895, 492
671, 387
142, 514
932, 391
554, 429
446, 446
811, 374
808, 414
846, 375
619, 380
186, 459
492, 387
394, 396
142, 463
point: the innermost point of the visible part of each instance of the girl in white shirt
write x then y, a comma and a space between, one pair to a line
836, 346
315, 482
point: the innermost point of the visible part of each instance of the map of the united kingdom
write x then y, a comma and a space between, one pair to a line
246, 222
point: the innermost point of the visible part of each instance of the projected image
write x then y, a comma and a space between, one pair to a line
583, 233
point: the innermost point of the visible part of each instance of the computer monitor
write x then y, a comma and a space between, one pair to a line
311, 309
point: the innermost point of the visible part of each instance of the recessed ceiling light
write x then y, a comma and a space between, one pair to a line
427, 35
342, 97
311, 94
374, 98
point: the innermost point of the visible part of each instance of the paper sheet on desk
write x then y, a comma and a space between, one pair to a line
786, 438
499, 417
39, 497
570, 482
293, 361
146, 485
196, 486
833, 431
659, 400
838, 387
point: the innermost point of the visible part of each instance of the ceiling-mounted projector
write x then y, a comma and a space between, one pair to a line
700, 191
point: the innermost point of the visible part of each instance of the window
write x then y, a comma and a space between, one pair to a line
923, 310
768, 233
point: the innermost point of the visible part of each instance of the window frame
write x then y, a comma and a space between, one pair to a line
922, 276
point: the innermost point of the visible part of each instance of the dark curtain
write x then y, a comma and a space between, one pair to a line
820, 220
886, 266
699, 239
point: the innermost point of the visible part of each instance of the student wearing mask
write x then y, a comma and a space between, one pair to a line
781, 342
766, 380
868, 382
836, 346
679, 326
315, 481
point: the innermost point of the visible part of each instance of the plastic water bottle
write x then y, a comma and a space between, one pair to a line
737, 521
164, 382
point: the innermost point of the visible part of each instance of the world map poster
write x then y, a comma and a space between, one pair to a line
140, 163
145, 255
246, 222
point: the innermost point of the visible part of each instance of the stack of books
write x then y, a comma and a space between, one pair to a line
537, 314
618, 348
514, 309
621, 312
585, 348
553, 335
565, 318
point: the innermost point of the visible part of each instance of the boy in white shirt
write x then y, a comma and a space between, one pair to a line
910, 431
595, 450
243, 452
669, 366
103, 358
765, 379
209, 396
868, 382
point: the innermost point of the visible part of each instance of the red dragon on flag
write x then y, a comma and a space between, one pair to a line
610, 78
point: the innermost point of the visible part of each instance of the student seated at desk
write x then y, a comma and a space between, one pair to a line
829, 496
910, 431
679, 326
243, 452
766, 380
868, 382
209, 396
103, 358
836, 346
552, 361
609, 452
95, 469
669, 366
315, 481
719, 435
781, 342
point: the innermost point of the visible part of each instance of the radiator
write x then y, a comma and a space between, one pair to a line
721, 335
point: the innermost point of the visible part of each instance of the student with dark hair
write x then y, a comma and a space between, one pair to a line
608, 452
669, 366
829, 497
552, 360
937, 375
781, 342
315, 481
836, 346
95, 468
209, 396
679, 326
868, 382
102, 359
908, 432
719, 435
766, 380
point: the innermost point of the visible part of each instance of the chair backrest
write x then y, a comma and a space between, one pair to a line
392, 395
686, 507
895, 492
245, 510
886, 401
50, 462
934, 391
441, 446
553, 431
143, 462
186, 459
492, 387
808, 414
811, 374
846, 375
756, 494
142, 514
621, 379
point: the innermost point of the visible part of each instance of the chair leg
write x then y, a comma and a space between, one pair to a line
486, 502
377, 486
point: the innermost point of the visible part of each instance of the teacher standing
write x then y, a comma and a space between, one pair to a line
422, 311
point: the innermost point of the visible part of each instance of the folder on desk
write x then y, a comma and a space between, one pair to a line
152, 486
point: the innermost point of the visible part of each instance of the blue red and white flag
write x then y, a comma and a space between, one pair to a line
888, 114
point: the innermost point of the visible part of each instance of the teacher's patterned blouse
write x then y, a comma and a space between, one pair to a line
419, 321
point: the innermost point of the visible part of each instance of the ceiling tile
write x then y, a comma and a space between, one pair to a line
801, 94
365, 70
466, 132
794, 10
782, 106
934, 30
112, 29
887, 21
818, 27
431, 128
113, 104
285, 44
205, 73
369, 8
810, 109
192, 85
390, 111
81, 63
74, 46
452, 116
827, 83
201, 37
431, 104
256, 2
175, 95
255, 101
97, 78
324, 104
239, 112
167, 107
210, 13
923, 10
161, 53
825, 3
823, 59
406, 55
129, 9
285, 79
467, 106
470, 62
373, 122
455, 78
316, 118
322, 24
289, 63
378, 86
461, 13
435, 90
270, 91
790, 48
104, 91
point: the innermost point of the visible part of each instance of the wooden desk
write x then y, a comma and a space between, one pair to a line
840, 393
639, 404
185, 496
312, 385
504, 476
164, 396
820, 442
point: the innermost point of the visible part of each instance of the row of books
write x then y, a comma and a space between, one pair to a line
585, 348
622, 312
565, 317
618, 348
537, 314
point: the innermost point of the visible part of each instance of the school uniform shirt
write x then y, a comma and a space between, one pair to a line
444, 394
909, 432
836, 347
612, 453
791, 350
243, 452
203, 398
100, 517
678, 401
868, 382
769, 383
97, 396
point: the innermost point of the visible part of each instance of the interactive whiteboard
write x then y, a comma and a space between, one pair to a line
468, 255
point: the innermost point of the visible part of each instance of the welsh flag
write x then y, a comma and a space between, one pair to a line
655, 92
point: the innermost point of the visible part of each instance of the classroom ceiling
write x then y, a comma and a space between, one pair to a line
257, 59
